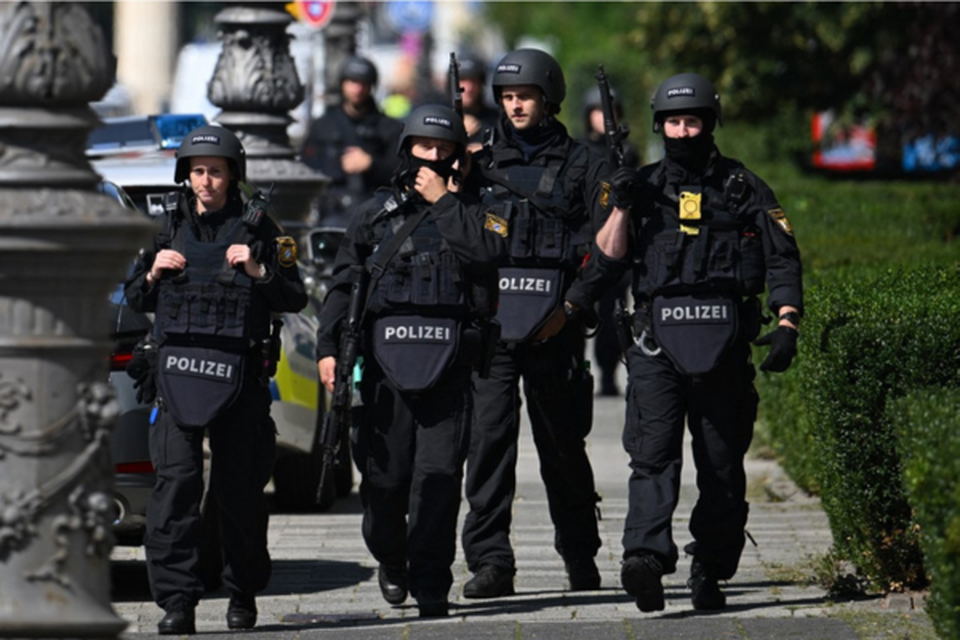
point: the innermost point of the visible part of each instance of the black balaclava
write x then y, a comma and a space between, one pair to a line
533, 141
409, 166
693, 154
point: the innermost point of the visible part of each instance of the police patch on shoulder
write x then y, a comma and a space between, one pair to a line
605, 188
781, 219
286, 251
496, 224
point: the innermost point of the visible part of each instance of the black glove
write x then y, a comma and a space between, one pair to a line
143, 369
624, 187
783, 347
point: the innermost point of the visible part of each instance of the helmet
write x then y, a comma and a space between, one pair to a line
531, 66
211, 140
434, 121
686, 92
473, 68
359, 69
591, 100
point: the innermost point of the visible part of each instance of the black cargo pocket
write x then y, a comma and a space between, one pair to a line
550, 236
668, 249
424, 282
522, 237
396, 285
451, 288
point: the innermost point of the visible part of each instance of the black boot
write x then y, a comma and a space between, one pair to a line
242, 612
491, 581
704, 590
640, 576
583, 574
178, 623
393, 582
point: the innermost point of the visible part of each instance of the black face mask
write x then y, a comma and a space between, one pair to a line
409, 166
693, 153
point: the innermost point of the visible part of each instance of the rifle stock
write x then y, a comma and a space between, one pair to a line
337, 420
614, 132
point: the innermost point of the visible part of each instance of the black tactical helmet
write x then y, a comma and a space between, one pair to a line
434, 121
211, 140
472, 67
687, 93
591, 101
531, 66
360, 70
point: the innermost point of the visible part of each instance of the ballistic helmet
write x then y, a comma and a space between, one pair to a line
531, 66
473, 68
211, 140
360, 70
686, 93
434, 121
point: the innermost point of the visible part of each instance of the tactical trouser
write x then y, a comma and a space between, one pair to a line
559, 393
719, 408
243, 444
410, 451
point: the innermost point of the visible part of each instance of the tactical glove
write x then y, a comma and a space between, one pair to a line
783, 347
624, 187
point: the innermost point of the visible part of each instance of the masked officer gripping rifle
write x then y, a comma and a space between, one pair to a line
217, 271
432, 255
706, 236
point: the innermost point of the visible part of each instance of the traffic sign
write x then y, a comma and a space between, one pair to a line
313, 13
407, 16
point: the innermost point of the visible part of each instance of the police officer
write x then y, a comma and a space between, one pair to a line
353, 143
478, 115
704, 237
550, 185
606, 347
432, 255
214, 275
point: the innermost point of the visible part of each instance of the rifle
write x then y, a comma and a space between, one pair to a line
456, 91
614, 133
337, 419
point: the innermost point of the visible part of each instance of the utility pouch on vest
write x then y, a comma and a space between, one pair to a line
527, 298
197, 384
695, 330
414, 351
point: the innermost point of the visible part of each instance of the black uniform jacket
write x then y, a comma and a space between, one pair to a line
374, 132
281, 289
473, 237
734, 197
583, 180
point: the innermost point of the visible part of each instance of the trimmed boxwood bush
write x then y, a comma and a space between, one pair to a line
866, 342
927, 424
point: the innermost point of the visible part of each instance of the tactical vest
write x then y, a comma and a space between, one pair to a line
549, 232
211, 301
702, 256
208, 318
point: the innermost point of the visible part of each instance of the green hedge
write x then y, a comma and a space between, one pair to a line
864, 342
927, 424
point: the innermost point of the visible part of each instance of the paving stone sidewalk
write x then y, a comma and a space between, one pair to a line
324, 581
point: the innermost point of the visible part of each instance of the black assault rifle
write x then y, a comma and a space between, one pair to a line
614, 133
456, 91
337, 420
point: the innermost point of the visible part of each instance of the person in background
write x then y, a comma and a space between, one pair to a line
353, 143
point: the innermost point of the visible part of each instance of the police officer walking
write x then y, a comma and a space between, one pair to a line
606, 346
704, 236
550, 186
432, 255
353, 143
214, 275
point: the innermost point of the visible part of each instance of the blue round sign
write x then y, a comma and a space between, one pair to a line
410, 16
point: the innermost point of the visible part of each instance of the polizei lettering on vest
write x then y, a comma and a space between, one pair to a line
207, 368
417, 332
688, 313
520, 283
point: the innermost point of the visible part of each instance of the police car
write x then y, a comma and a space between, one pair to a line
136, 157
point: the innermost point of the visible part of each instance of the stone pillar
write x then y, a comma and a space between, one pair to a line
339, 43
146, 38
256, 84
63, 247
